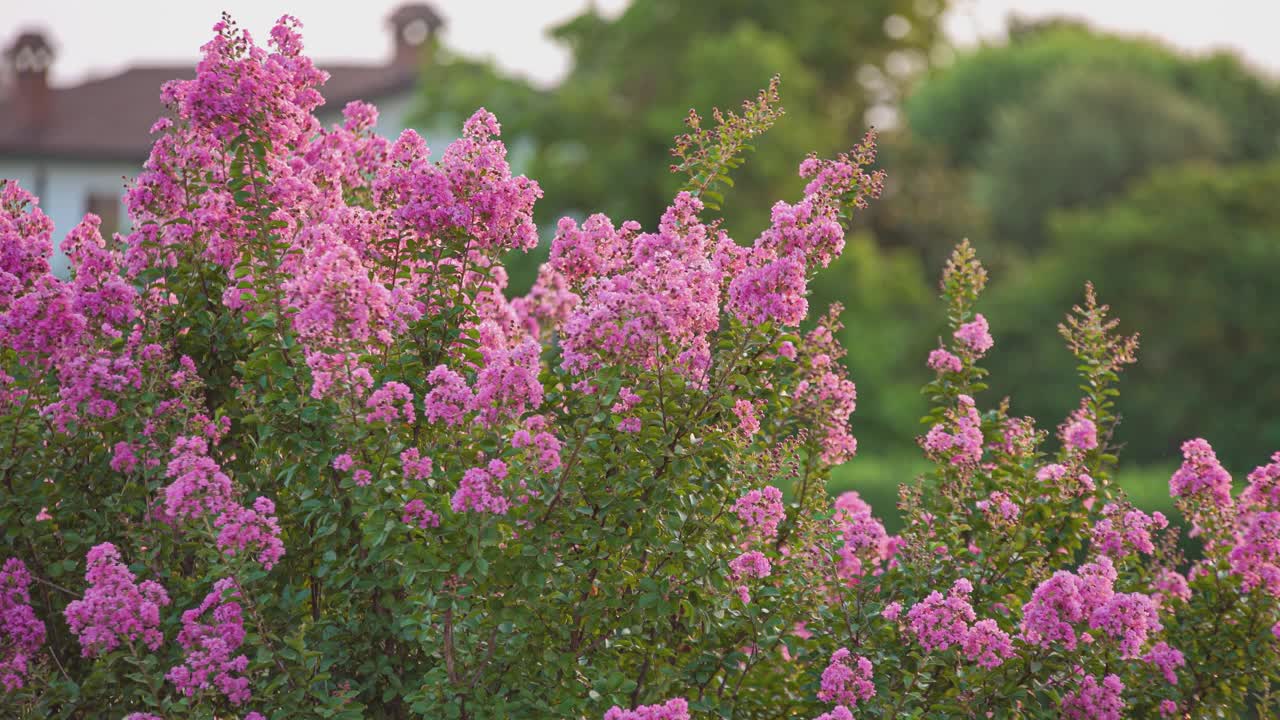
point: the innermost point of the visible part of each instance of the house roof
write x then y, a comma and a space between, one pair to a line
110, 118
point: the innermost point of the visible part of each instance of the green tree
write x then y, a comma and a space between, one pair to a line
1082, 139
1067, 117
957, 106
1191, 259
609, 123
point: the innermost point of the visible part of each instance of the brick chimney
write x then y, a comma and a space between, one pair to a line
413, 32
29, 58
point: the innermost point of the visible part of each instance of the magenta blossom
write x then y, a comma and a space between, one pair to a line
116, 609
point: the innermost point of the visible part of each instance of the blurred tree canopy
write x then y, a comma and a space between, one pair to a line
1190, 258
958, 106
1083, 139
602, 135
1064, 117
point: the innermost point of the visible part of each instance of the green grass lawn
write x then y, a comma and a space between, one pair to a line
877, 477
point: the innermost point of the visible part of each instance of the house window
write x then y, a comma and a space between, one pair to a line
107, 207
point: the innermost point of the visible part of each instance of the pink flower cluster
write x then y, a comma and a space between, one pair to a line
390, 403
21, 633
1092, 700
771, 279
1080, 482
809, 229
999, 508
25, 242
254, 529
417, 514
492, 205
479, 490
507, 386
1256, 554
824, 395
959, 440
653, 297
1201, 475
761, 511
595, 248
847, 680
772, 284
449, 399
1167, 660
772, 289
211, 661
752, 564
543, 446
1263, 491
335, 299
414, 464
78, 331
238, 87
892, 611
986, 644
1065, 601
748, 423
942, 361
627, 399
865, 542
343, 462
644, 298
116, 609
1019, 438
975, 336
359, 274
236, 80
200, 488
674, 709
1122, 531
845, 175
123, 459
939, 622
1170, 585
1129, 618
1079, 433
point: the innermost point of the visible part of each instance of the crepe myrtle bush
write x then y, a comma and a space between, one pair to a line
288, 450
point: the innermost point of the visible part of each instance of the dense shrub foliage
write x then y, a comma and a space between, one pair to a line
287, 450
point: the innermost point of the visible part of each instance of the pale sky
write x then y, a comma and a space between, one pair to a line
95, 37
